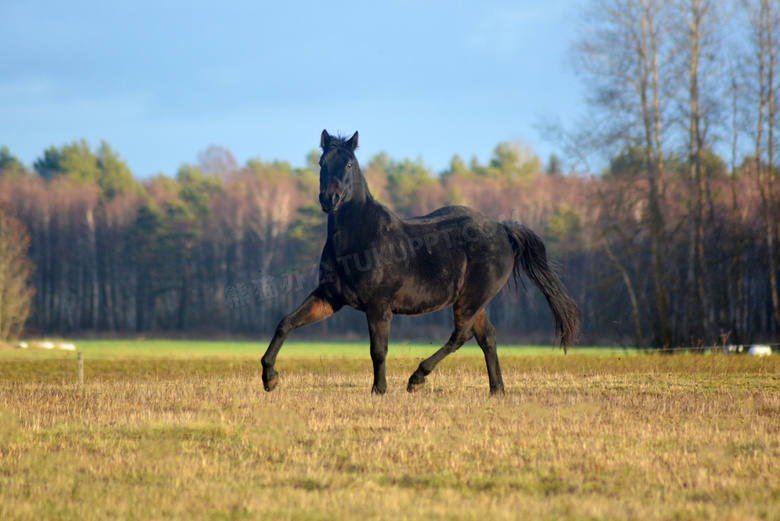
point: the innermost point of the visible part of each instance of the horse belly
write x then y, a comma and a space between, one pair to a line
404, 306
422, 297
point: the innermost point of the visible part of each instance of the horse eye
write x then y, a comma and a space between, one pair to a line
349, 165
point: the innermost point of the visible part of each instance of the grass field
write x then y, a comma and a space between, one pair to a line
183, 430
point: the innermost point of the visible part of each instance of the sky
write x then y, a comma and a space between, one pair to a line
161, 81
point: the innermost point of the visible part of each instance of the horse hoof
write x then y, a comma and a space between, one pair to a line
271, 384
413, 388
497, 392
379, 392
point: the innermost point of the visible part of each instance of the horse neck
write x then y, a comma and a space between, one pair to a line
361, 193
358, 213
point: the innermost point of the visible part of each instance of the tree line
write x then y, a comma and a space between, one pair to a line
226, 249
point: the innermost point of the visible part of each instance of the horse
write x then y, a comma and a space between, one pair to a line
383, 265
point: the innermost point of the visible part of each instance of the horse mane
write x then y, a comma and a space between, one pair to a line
339, 141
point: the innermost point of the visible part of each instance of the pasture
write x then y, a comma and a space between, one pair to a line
184, 430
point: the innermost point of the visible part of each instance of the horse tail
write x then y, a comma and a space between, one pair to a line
531, 257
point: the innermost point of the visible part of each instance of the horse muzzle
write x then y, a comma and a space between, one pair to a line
329, 201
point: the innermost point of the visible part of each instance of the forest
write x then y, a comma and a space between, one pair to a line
671, 241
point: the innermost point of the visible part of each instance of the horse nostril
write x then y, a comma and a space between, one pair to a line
329, 201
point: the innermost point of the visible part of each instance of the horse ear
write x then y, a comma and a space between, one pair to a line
352, 144
324, 140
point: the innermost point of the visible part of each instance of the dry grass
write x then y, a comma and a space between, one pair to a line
577, 437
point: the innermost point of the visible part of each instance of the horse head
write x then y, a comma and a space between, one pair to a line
339, 171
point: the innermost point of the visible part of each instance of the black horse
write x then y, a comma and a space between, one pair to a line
383, 265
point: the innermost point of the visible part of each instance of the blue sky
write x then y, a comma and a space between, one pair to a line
162, 80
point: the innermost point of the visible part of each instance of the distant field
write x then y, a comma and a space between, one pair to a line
127, 349
184, 430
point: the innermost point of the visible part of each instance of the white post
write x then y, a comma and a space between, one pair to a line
81, 368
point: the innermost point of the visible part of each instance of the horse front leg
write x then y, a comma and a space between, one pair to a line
313, 309
379, 332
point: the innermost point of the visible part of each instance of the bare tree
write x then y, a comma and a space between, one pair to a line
699, 35
218, 161
764, 19
15, 274
624, 56
736, 284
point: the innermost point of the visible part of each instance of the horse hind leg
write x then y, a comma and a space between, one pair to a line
464, 316
486, 338
459, 337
